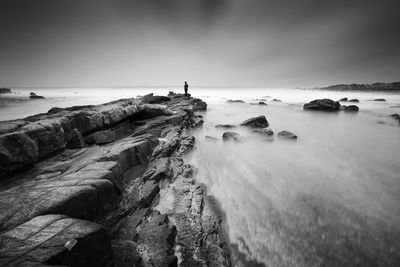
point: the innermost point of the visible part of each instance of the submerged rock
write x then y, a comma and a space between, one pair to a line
380, 100
322, 105
395, 116
351, 108
353, 100
344, 99
210, 138
231, 136
225, 126
235, 101
35, 96
264, 131
262, 103
286, 135
276, 100
256, 122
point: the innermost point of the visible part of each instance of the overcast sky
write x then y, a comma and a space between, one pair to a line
282, 43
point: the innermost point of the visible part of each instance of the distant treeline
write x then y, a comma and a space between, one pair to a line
395, 86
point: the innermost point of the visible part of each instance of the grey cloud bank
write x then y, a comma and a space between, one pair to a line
209, 42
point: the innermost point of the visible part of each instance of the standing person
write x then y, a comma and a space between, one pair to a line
186, 88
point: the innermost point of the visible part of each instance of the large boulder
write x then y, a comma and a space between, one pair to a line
322, 105
200, 105
16, 150
256, 122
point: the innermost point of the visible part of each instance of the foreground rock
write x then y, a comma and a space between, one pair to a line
287, 135
35, 96
256, 122
322, 105
102, 204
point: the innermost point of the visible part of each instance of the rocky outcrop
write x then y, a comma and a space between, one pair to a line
107, 204
35, 96
322, 105
256, 122
5, 91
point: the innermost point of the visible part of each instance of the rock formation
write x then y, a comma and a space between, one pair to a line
322, 105
5, 91
80, 186
256, 122
35, 96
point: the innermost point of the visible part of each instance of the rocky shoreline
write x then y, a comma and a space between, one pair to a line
107, 185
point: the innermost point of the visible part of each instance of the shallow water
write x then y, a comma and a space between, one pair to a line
330, 198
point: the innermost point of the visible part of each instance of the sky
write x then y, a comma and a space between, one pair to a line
257, 43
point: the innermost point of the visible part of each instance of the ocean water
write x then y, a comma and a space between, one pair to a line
330, 198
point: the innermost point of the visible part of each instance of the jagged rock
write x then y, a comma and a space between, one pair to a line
100, 137
353, 100
235, 101
256, 122
76, 141
287, 135
200, 106
380, 100
231, 136
5, 91
344, 99
56, 240
322, 105
351, 108
35, 96
154, 99
17, 150
225, 126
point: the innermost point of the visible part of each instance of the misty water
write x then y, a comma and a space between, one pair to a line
332, 197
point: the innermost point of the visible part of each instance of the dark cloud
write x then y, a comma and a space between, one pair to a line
231, 42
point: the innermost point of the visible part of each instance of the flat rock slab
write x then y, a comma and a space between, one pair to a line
55, 240
84, 186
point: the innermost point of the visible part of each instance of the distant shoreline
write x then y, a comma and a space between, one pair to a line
394, 86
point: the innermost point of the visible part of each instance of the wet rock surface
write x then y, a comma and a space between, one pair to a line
256, 122
87, 186
322, 105
287, 135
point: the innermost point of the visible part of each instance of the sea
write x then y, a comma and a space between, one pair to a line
329, 198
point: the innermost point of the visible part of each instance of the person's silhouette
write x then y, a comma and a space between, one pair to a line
186, 88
